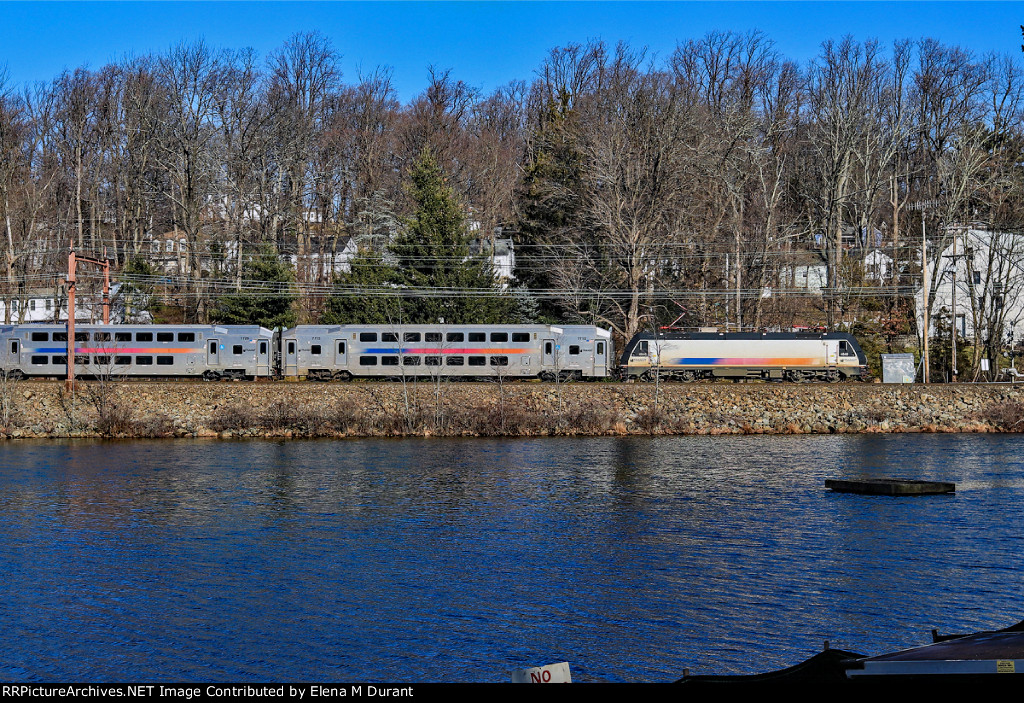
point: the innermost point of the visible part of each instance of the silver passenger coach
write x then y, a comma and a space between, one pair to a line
470, 351
205, 351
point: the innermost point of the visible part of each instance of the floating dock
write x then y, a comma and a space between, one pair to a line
891, 487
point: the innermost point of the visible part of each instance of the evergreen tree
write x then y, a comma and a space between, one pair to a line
358, 296
267, 299
433, 252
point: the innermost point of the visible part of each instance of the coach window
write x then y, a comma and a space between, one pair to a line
236, 349
499, 361
341, 347
143, 361
389, 360
499, 336
122, 361
291, 347
478, 361
40, 336
315, 350
143, 336
40, 360
548, 347
101, 337
186, 336
385, 337
455, 361
432, 337
574, 349
101, 359
263, 348
412, 336
477, 337
60, 336
59, 359
520, 336
368, 360
432, 360
213, 348
369, 337
413, 360
165, 361
81, 360
165, 336
122, 336
81, 336
600, 348
455, 337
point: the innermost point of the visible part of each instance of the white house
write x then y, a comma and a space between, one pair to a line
988, 270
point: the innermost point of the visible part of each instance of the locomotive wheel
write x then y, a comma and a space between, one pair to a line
687, 376
210, 375
547, 376
343, 376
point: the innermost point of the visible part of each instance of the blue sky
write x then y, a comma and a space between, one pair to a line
485, 44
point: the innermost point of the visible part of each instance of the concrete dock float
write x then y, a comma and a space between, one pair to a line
891, 487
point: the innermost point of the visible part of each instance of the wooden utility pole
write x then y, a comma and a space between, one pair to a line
73, 260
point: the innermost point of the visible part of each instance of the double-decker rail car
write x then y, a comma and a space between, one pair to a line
461, 351
796, 356
203, 351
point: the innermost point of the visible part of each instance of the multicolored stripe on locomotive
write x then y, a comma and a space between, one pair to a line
791, 356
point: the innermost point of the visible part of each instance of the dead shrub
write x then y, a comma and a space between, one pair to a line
1007, 415
233, 417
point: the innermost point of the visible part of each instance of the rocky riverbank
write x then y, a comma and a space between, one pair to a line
283, 409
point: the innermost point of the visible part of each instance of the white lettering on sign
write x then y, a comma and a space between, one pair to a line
552, 673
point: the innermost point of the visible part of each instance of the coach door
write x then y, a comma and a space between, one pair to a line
213, 353
600, 358
291, 356
340, 353
263, 357
549, 353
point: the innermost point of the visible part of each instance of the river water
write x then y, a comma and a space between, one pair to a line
461, 560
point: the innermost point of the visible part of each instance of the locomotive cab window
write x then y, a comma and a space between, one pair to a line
640, 349
845, 349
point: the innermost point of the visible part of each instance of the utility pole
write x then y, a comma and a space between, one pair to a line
924, 268
73, 260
